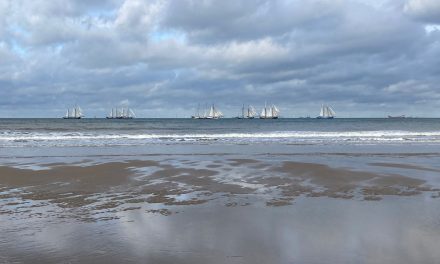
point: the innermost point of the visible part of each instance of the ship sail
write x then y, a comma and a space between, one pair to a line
274, 111
263, 112
251, 112
326, 112
131, 114
331, 111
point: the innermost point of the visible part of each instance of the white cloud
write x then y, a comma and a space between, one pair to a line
425, 10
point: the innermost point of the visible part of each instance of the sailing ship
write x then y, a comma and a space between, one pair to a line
271, 112
122, 113
74, 113
327, 112
211, 113
197, 114
248, 113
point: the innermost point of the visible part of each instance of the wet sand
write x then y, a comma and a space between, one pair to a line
114, 185
168, 194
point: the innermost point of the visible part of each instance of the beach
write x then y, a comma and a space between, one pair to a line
161, 196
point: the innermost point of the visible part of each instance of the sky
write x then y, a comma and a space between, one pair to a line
162, 58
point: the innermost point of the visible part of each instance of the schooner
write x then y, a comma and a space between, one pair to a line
211, 113
327, 112
214, 113
122, 113
74, 113
271, 112
248, 113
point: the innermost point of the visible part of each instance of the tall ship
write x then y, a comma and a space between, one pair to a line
121, 113
208, 113
270, 112
197, 115
248, 113
326, 112
74, 113
214, 113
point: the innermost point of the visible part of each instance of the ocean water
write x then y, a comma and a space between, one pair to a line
139, 132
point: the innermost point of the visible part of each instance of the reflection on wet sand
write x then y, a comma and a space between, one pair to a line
92, 189
225, 210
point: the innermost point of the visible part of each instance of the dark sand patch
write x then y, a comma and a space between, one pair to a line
280, 201
164, 212
403, 166
214, 166
342, 183
79, 178
239, 162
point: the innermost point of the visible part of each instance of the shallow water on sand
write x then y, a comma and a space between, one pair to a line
319, 230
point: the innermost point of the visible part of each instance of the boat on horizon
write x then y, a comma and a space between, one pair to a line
397, 117
122, 113
271, 112
249, 113
212, 113
326, 112
74, 113
197, 115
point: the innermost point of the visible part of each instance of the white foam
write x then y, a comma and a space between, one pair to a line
11, 138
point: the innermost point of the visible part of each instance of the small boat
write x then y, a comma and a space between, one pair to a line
271, 112
249, 113
397, 117
123, 113
327, 112
74, 113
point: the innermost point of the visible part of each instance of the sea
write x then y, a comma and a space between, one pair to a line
16, 133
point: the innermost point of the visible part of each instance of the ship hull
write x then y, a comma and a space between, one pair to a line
72, 117
322, 117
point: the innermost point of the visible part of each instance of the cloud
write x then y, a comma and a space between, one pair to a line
161, 55
424, 10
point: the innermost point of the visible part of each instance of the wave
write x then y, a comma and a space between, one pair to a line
283, 134
12, 138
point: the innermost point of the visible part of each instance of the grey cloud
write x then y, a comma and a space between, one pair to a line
363, 58
424, 10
